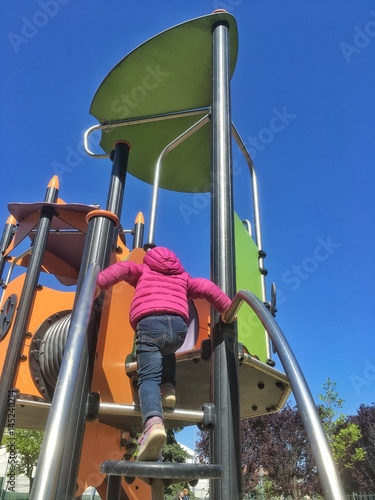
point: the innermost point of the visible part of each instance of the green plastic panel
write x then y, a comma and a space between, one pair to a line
251, 332
169, 73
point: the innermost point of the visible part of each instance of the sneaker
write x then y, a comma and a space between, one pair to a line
152, 440
168, 396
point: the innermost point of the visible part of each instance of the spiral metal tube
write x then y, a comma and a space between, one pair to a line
52, 349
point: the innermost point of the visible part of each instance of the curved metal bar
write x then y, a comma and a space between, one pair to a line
327, 468
131, 121
187, 133
86, 135
249, 161
49, 463
248, 227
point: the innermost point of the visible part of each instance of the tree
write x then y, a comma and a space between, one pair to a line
361, 477
173, 452
342, 434
27, 443
276, 455
280, 447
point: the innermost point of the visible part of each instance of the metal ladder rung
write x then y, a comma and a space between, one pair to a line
156, 474
161, 470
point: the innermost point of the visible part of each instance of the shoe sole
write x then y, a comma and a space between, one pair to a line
151, 451
169, 402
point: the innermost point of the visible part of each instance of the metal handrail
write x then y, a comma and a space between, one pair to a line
255, 193
257, 219
155, 192
327, 469
135, 121
49, 463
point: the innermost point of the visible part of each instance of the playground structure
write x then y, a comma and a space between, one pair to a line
68, 359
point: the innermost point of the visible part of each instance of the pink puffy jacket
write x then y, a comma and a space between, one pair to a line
162, 286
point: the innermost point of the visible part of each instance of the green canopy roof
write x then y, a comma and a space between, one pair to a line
171, 72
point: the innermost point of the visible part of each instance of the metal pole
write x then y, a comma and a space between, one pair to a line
9, 230
99, 244
225, 441
119, 156
26, 302
327, 468
58, 423
113, 487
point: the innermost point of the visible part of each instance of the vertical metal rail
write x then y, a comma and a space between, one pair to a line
8, 233
225, 440
99, 244
327, 469
26, 301
58, 423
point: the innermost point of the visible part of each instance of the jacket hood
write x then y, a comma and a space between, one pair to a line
163, 261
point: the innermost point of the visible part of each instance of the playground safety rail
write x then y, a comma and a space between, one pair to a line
107, 126
322, 452
187, 133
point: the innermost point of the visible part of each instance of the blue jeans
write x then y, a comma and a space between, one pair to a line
157, 340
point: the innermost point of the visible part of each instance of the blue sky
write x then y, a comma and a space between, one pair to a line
310, 63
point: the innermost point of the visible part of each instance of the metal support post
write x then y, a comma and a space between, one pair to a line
99, 244
59, 423
113, 487
21, 322
225, 440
